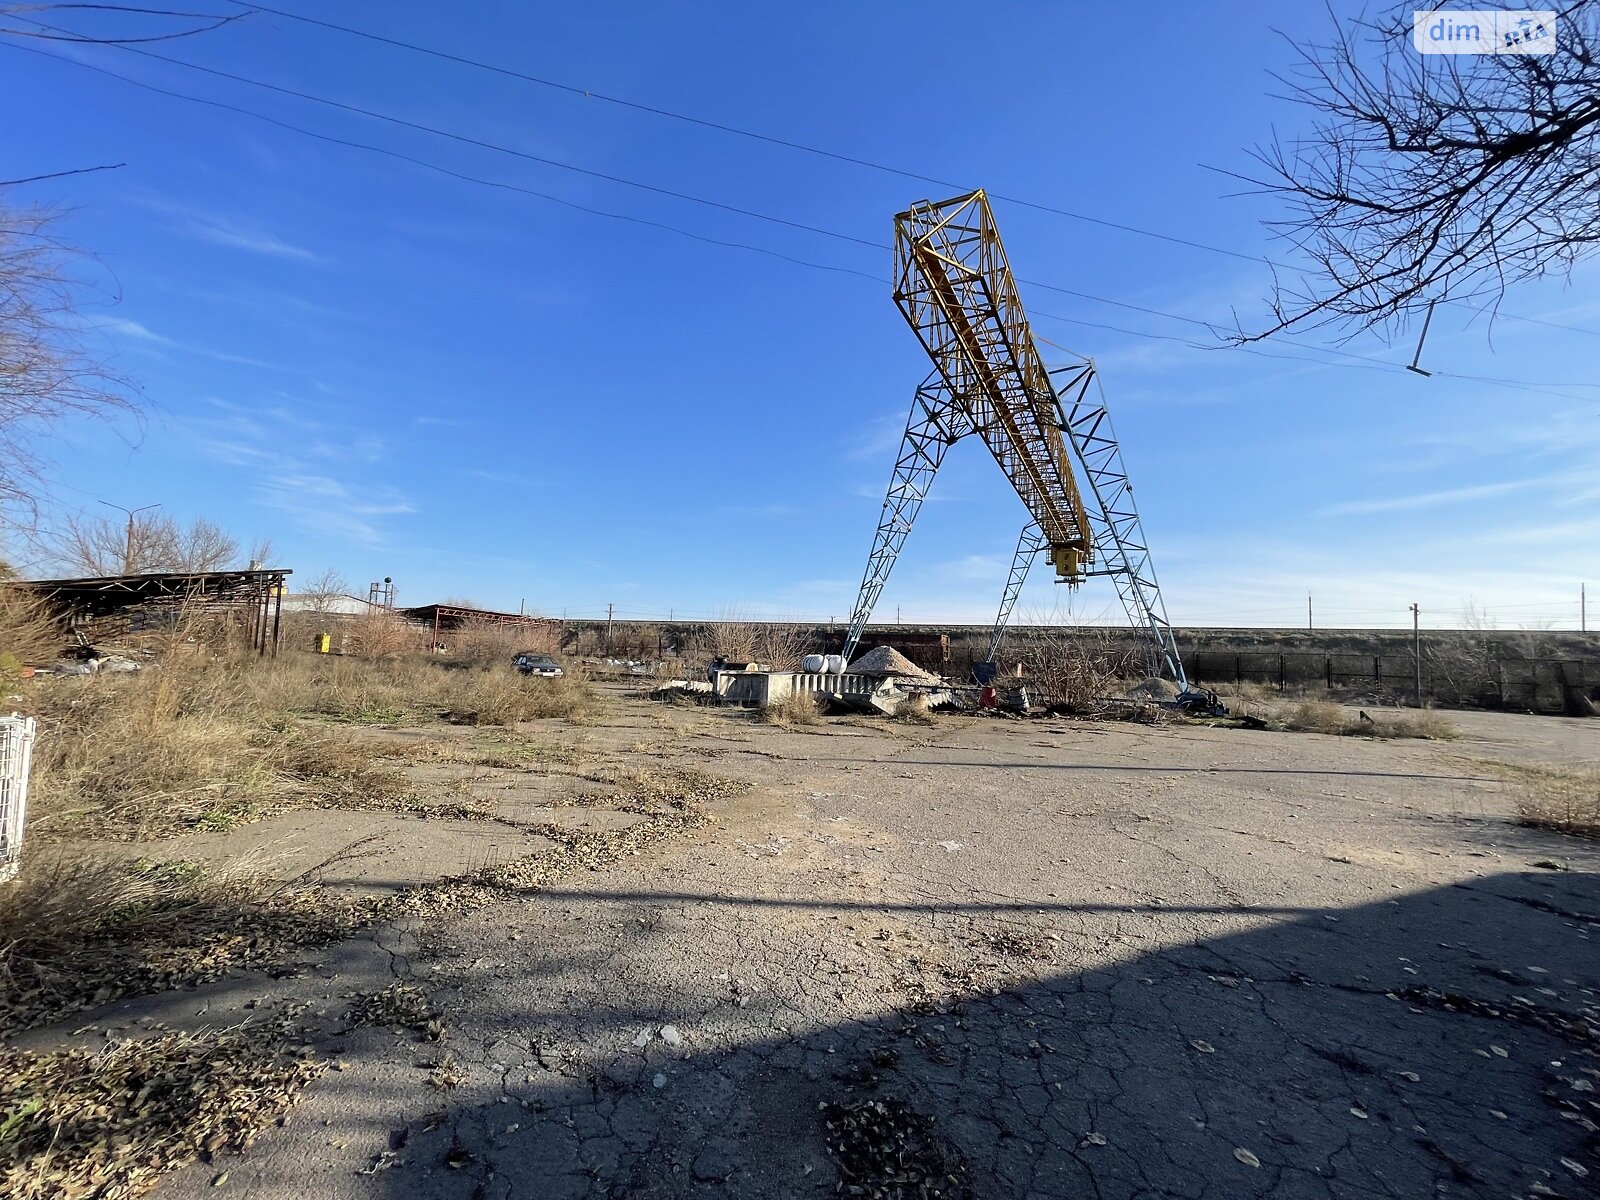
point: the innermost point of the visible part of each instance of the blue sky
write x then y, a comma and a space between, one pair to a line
486, 394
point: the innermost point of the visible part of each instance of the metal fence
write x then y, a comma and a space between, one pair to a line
16, 756
1542, 684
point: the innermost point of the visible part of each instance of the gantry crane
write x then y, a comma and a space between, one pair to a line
954, 286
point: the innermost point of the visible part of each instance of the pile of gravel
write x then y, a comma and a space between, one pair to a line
886, 660
1153, 689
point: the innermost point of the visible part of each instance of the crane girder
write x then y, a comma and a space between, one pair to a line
954, 286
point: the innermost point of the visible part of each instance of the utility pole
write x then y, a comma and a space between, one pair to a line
1583, 607
1416, 649
610, 608
1309, 625
127, 552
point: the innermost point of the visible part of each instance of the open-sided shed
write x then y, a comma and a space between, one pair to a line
112, 607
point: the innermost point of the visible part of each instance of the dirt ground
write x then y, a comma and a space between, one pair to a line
1010, 958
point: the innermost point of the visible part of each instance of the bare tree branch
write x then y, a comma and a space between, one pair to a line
46, 372
1428, 177
143, 543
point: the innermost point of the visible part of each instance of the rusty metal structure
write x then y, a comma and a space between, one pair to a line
447, 618
247, 603
954, 286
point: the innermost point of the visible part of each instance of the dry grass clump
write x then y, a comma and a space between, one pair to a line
76, 1124
29, 634
797, 708
508, 751
487, 643
1323, 716
501, 696
80, 930
336, 769
1567, 801
380, 633
913, 710
151, 750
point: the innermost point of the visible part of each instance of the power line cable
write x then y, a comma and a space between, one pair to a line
469, 140
836, 156
1209, 326
432, 166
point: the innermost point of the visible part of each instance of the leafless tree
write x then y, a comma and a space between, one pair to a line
145, 542
261, 552
46, 370
1427, 177
322, 593
202, 546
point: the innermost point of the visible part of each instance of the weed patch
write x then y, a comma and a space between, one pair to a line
1566, 801
1322, 716
797, 708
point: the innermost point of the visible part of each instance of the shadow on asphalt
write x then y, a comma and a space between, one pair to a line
1432, 1045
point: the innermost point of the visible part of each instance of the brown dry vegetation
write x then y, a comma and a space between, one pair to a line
1323, 716
79, 929
1566, 801
797, 708
193, 743
1075, 672
485, 643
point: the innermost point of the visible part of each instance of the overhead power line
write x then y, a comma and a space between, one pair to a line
61, 174
834, 155
1370, 361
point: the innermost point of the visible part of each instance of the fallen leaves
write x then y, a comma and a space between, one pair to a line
81, 1125
886, 1151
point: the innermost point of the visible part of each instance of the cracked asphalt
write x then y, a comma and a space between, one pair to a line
1098, 960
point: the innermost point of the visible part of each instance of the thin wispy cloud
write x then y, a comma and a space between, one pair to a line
326, 505
148, 339
1439, 499
228, 231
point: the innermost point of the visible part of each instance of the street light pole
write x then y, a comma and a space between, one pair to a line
127, 550
1416, 649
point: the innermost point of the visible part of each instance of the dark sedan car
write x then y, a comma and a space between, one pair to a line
532, 663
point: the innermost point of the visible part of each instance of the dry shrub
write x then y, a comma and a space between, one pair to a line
1567, 801
1249, 699
29, 633
1323, 716
913, 710
501, 696
145, 751
487, 643
1074, 672
777, 645
797, 708
380, 633
83, 1125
